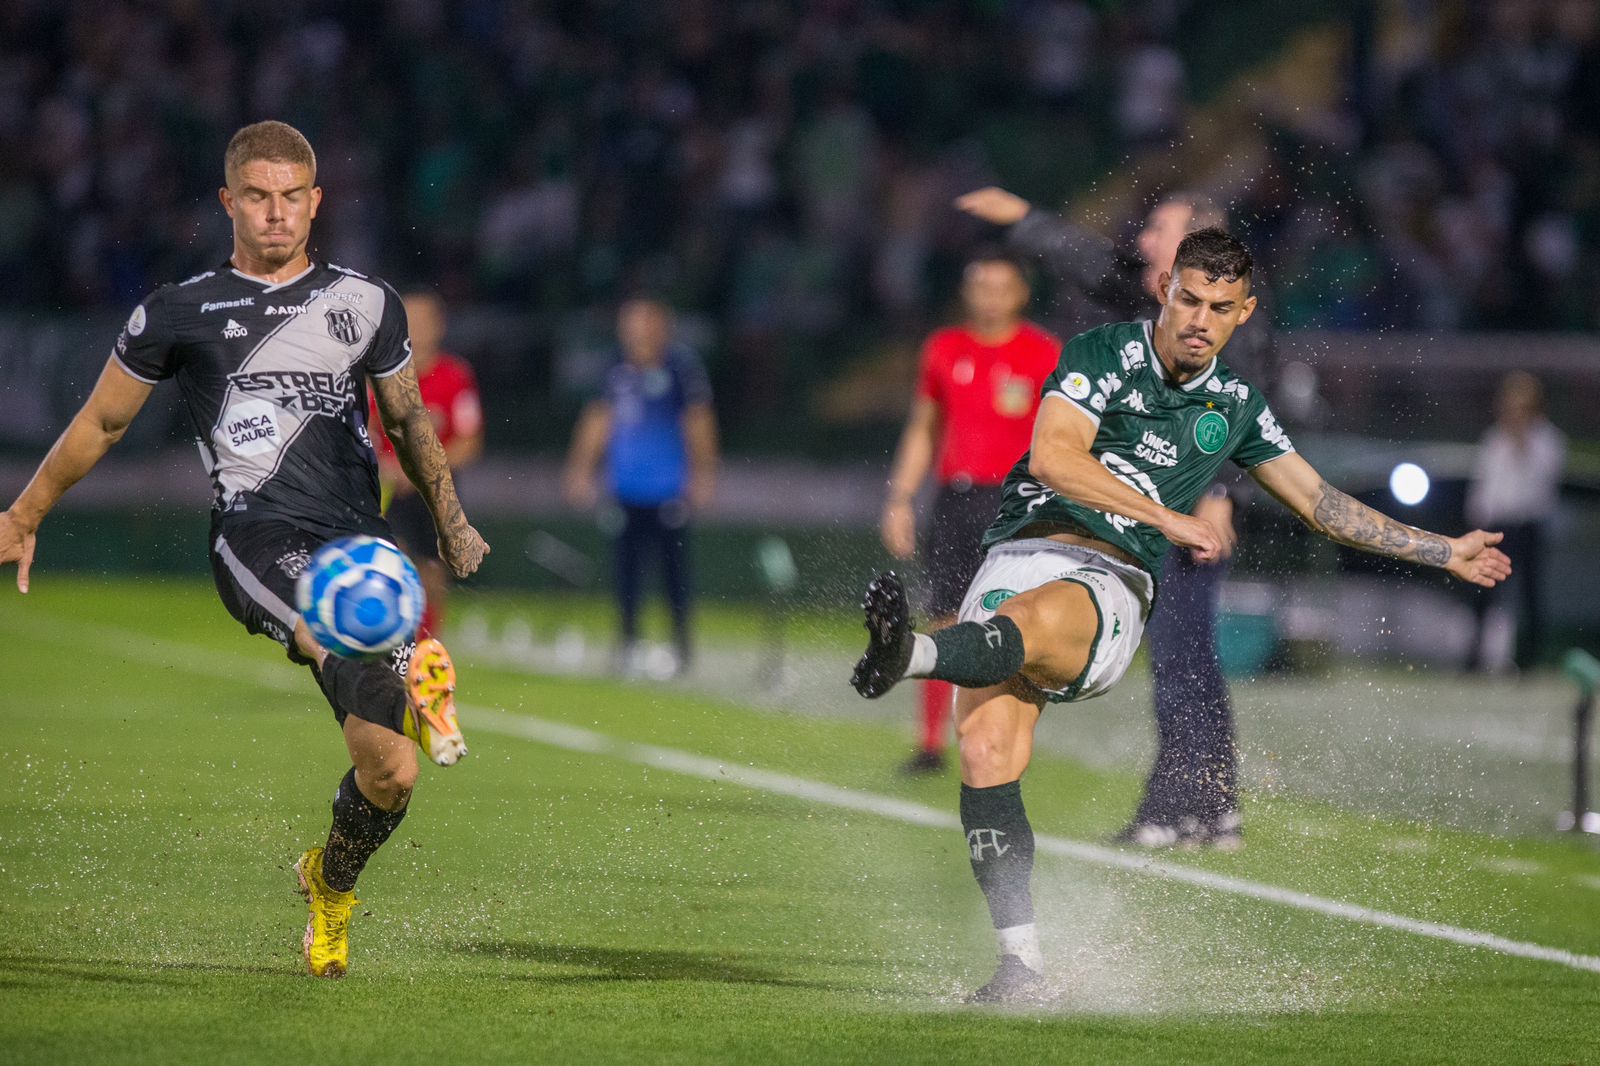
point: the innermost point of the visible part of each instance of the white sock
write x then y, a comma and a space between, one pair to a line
1023, 942
924, 655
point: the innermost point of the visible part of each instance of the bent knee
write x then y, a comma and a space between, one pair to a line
987, 758
389, 785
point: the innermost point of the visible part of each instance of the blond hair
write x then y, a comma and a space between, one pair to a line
275, 142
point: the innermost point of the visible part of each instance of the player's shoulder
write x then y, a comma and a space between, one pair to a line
337, 278
1225, 381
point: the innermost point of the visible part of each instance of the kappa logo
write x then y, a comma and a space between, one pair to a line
994, 598
982, 840
233, 331
1116, 627
992, 635
344, 325
1135, 400
198, 277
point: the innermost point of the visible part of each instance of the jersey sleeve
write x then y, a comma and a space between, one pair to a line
145, 346
1263, 438
391, 347
1088, 374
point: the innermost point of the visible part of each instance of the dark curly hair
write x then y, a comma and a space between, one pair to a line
1216, 253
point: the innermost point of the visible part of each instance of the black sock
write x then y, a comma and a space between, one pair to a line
978, 654
359, 828
1000, 842
368, 690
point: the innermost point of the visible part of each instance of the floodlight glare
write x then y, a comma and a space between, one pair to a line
1409, 483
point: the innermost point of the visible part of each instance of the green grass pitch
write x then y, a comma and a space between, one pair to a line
606, 894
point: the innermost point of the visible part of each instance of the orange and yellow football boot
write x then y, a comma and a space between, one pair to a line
431, 704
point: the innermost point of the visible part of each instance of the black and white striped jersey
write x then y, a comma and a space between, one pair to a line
274, 377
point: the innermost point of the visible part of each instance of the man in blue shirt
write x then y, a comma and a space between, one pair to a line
653, 426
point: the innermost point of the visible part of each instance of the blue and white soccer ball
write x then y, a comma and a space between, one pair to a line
360, 597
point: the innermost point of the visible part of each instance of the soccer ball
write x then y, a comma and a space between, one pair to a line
360, 596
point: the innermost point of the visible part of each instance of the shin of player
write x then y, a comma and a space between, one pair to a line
1133, 428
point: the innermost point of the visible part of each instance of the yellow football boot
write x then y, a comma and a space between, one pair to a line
431, 703
327, 942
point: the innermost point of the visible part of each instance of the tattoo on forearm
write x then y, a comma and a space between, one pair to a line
420, 453
1351, 522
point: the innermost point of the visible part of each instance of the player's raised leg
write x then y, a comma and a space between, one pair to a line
1046, 633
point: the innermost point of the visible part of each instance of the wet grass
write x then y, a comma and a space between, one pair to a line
544, 904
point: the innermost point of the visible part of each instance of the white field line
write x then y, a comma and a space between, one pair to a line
250, 669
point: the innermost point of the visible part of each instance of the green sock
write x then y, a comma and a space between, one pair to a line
976, 654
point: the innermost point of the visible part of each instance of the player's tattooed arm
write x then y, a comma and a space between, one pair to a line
1348, 521
1471, 557
422, 457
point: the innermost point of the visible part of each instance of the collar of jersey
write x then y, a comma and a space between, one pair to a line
1165, 375
273, 286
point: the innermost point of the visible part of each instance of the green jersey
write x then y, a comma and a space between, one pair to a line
1165, 440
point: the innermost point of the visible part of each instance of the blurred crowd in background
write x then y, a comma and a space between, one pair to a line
784, 166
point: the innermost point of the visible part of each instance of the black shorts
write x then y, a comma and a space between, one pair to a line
413, 526
955, 544
256, 565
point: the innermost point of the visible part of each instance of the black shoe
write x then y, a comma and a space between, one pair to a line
889, 635
1151, 835
1013, 982
923, 762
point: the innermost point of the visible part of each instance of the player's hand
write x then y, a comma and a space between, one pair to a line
899, 529
993, 204
1218, 510
1475, 560
16, 546
1196, 534
462, 550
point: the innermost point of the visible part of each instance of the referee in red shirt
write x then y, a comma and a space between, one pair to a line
971, 421
450, 393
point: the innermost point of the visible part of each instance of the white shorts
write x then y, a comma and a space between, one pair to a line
1121, 593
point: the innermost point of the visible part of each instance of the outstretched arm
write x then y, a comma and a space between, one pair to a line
101, 422
422, 457
1471, 557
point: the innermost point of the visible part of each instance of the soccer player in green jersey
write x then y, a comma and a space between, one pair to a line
1133, 426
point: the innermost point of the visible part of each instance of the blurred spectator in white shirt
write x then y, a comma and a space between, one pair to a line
1515, 484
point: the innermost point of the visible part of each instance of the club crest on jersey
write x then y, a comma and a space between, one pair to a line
343, 325
1211, 432
994, 598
